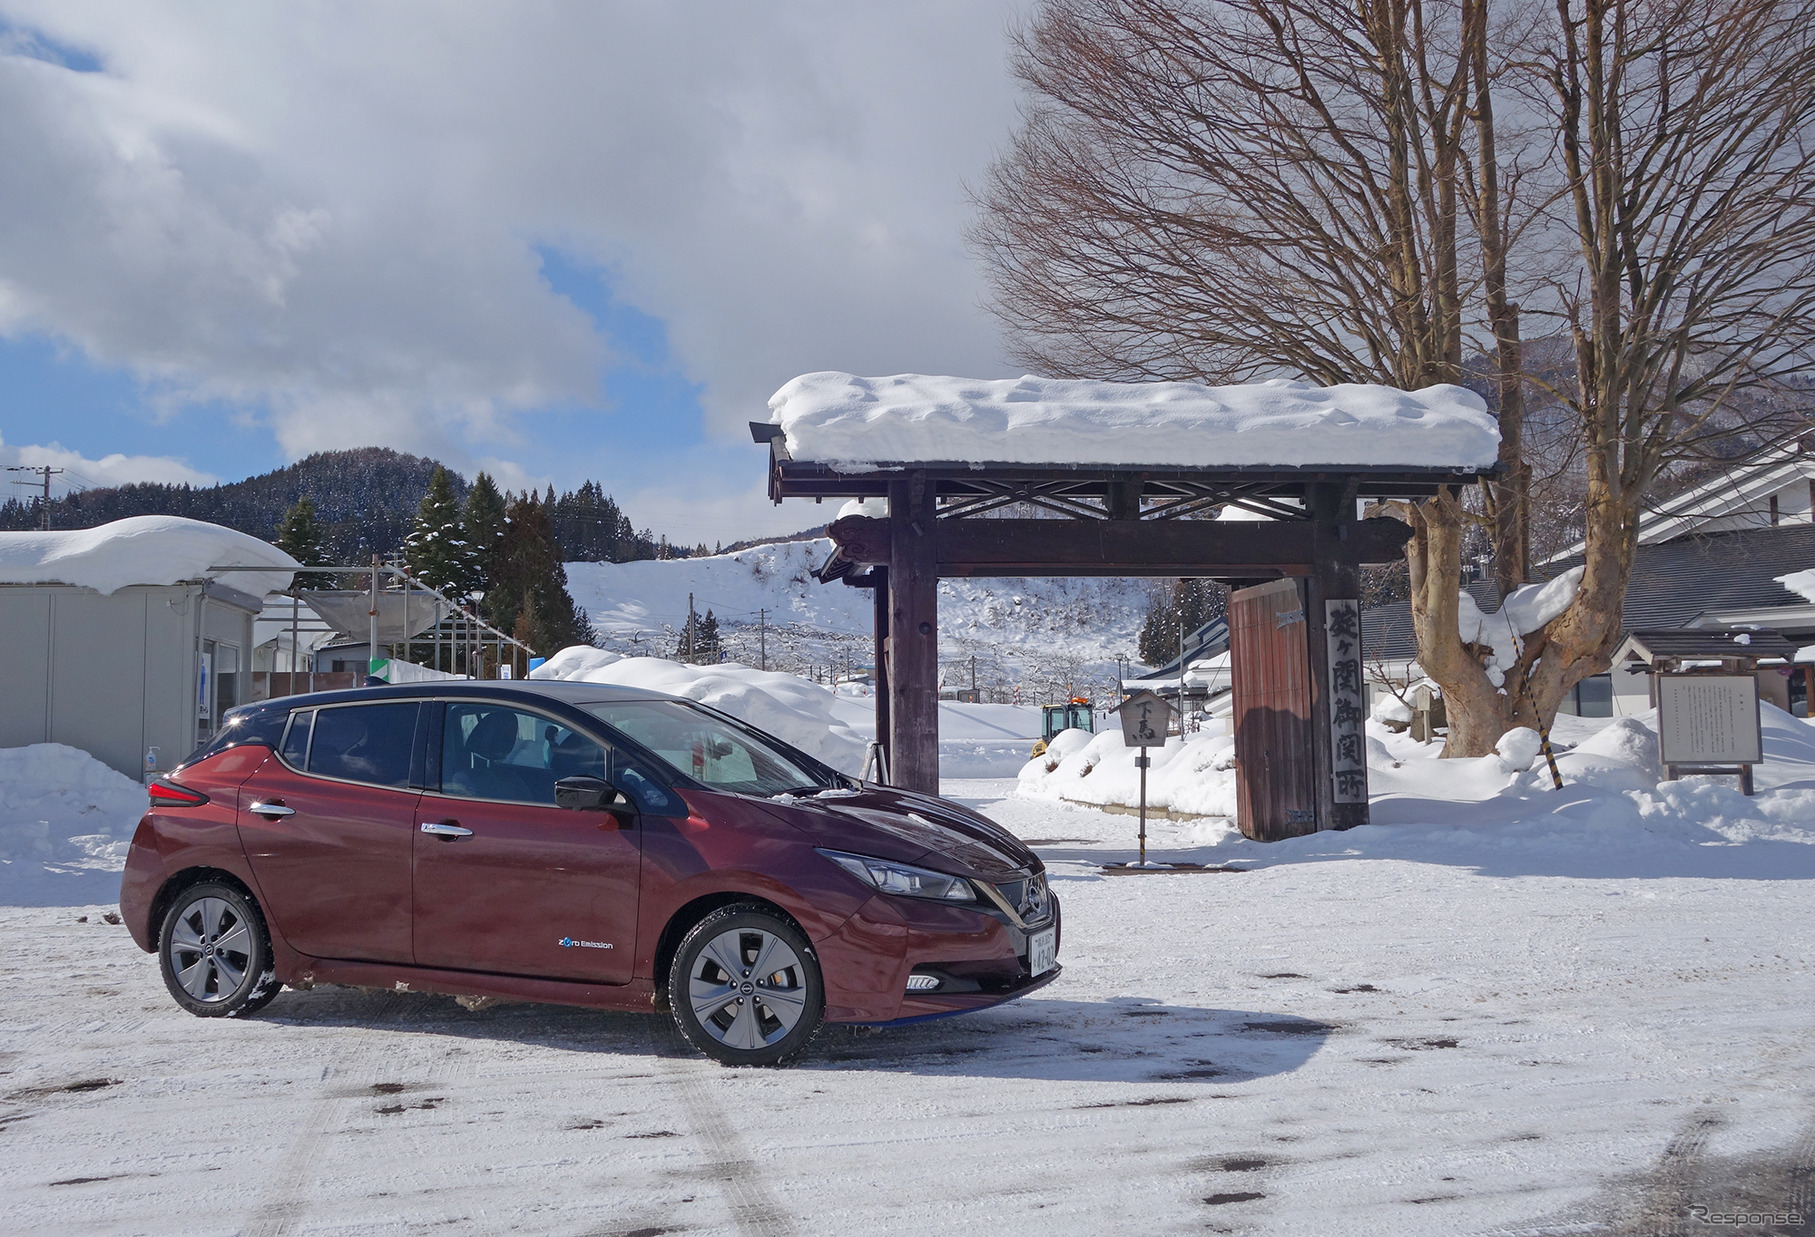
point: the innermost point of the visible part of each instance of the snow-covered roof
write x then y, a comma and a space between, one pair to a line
144, 549
855, 424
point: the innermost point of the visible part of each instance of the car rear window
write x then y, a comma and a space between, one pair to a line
261, 724
365, 743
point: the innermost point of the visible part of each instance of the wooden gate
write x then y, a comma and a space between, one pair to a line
1276, 777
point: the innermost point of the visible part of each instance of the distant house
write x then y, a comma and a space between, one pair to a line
1708, 558
130, 639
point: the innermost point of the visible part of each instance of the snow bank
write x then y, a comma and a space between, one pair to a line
65, 822
855, 423
144, 549
1194, 775
1524, 611
1610, 775
789, 707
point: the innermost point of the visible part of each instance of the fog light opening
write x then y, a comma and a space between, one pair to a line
922, 983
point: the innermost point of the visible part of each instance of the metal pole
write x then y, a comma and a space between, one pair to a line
295, 623
762, 621
372, 650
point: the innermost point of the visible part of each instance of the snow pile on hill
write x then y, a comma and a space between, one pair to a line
854, 423
65, 822
1609, 767
789, 707
144, 549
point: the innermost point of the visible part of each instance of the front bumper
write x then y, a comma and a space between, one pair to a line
979, 956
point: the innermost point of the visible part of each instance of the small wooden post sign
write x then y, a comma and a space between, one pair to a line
1144, 718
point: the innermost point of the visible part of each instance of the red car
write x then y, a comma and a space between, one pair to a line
577, 844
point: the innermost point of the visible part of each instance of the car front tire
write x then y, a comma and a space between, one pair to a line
745, 987
215, 952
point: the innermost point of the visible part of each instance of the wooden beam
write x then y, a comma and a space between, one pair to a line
909, 536
1200, 548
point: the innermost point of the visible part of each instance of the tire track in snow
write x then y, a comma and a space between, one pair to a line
754, 1210
287, 1200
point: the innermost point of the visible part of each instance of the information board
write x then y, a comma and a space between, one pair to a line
1708, 719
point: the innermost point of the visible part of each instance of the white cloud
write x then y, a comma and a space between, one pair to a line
80, 472
330, 213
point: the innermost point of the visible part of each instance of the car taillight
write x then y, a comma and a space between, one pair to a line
169, 794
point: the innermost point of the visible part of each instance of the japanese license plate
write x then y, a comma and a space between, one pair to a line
1042, 951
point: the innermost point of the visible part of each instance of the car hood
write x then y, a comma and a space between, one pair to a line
897, 824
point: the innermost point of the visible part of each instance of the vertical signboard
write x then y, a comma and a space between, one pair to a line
1348, 744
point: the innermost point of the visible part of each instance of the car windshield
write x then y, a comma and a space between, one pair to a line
713, 750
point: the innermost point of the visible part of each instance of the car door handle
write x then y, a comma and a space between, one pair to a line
446, 829
271, 811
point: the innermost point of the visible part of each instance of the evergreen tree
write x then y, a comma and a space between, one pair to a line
436, 550
299, 535
482, 525
527, 590
1189, 605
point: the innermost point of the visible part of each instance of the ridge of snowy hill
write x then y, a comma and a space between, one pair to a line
1035, 635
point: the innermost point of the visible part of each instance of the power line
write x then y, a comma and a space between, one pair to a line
45, 471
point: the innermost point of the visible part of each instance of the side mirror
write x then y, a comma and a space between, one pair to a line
588, 794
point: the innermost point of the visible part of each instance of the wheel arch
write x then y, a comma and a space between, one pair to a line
188, 878
692, 912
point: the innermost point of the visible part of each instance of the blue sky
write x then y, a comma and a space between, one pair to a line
568, 242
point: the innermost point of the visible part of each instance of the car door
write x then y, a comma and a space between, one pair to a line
328, 827
506, 881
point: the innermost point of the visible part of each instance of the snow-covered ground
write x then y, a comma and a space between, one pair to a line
1515, 1011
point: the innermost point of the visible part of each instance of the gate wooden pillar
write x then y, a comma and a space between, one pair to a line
913, 636
1333, 631
879, 599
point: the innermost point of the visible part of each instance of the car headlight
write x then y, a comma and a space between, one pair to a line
903, 878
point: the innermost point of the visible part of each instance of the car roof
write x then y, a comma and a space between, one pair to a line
523, 690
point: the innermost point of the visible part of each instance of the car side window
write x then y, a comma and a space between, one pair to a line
365, 743
296, 739
491, 751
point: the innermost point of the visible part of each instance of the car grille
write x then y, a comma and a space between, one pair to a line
1031, 898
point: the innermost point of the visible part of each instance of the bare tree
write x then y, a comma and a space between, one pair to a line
1686, 145
1226, 190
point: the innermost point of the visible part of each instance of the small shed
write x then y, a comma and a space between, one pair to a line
130, 639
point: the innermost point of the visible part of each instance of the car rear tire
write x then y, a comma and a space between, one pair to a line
215, 952
745, 987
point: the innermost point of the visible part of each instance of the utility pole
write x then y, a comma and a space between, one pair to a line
45, 471
762, 636
692, 657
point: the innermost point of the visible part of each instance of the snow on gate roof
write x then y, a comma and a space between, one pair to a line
143, 549
860, 424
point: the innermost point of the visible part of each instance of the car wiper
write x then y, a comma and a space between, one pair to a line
817, 792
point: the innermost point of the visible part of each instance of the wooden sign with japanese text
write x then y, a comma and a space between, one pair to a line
1348, 741
1144, 717
1708, 719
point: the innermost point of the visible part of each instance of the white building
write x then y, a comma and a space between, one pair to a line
129, 639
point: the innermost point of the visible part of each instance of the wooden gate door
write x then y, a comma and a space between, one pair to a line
1276, 778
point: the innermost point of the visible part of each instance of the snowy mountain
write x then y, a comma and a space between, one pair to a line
1031, 639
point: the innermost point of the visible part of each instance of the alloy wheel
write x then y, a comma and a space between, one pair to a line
747, 988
